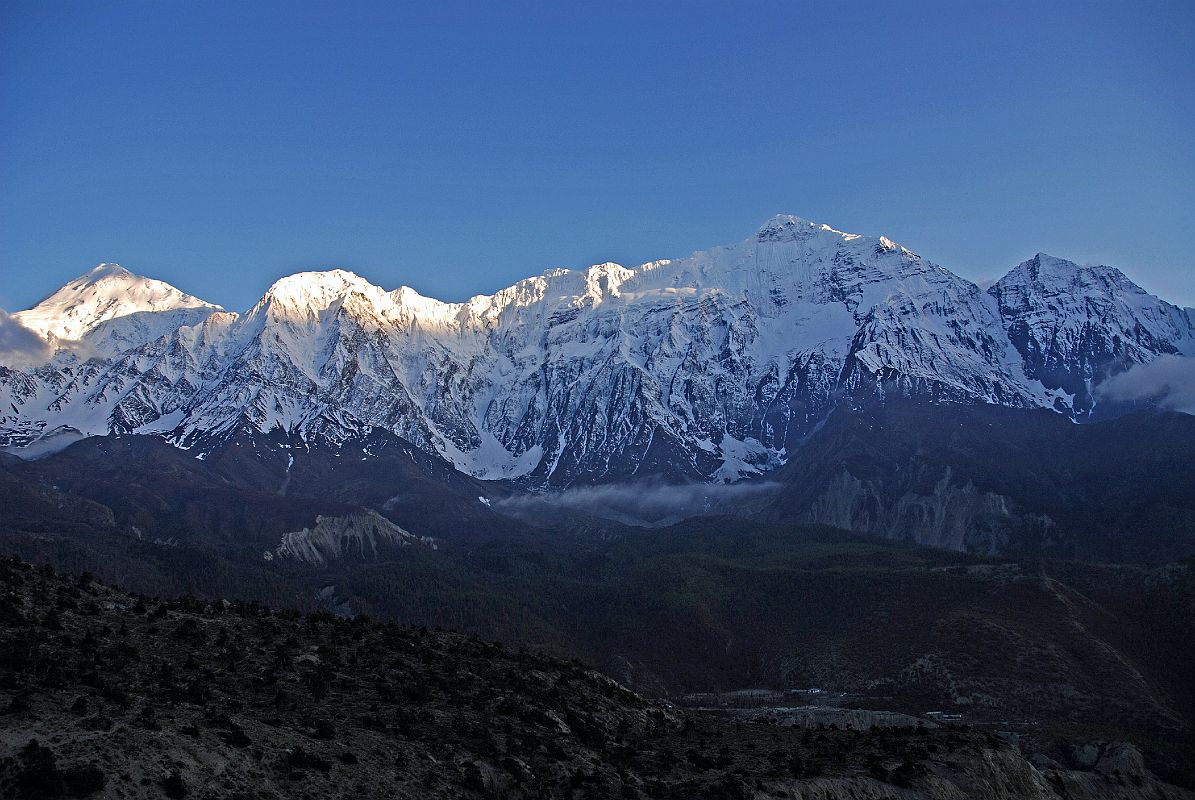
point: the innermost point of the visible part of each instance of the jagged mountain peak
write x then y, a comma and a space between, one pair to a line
1047, 273
712, 366
1045, 260
1046, 264
316, 283
306, 295
1075, 324
789, 227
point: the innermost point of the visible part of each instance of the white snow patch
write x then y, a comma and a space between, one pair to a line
741, 458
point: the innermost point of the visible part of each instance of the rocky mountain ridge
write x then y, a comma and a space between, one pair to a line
712, 367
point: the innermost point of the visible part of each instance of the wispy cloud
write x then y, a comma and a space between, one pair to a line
19, 346
1168, 381
640, 503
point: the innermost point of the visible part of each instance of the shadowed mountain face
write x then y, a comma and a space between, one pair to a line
994, 480
255, 486
976, 478
706, 368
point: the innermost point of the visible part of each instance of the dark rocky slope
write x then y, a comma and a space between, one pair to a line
989, 479
107, 694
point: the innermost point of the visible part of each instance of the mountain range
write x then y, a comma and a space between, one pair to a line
710, 368
862, 473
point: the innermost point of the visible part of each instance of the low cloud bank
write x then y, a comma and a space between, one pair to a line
1168, 381
647, 503
19, 346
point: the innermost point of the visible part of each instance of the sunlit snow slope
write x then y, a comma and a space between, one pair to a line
712, 366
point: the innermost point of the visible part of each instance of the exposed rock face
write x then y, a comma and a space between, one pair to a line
958, 517
994, 480
711, 367
366, 536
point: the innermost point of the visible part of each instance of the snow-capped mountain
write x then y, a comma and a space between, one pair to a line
1075, 325
712, 366
112, 310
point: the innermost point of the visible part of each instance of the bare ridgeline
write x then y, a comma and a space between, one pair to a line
109, 694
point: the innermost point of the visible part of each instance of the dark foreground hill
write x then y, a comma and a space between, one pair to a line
1065, 652
107, 694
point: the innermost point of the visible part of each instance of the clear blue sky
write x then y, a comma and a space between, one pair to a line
456, 149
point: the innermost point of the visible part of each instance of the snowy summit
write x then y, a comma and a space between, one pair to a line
712, 366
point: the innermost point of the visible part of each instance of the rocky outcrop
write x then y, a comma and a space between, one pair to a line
366, 536
952, 515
